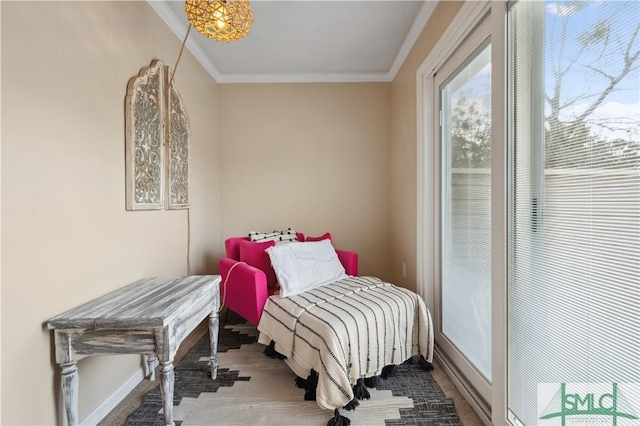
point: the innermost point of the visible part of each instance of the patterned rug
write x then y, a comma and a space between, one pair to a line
252, 389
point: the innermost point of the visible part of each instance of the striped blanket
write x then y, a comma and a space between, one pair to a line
346, 331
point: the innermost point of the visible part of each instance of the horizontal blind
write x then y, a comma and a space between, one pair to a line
574, 198
466, 210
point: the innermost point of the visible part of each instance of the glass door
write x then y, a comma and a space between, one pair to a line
573, 301
463, 314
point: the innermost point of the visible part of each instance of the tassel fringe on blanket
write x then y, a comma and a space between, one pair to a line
425, 364
310, 386
338, 420
360, 391
271, 352
371, 382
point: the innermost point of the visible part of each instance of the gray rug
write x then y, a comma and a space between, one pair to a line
252, 389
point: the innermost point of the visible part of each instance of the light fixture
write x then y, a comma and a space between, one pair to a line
221, 20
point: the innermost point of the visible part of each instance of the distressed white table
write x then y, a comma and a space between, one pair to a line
150, 317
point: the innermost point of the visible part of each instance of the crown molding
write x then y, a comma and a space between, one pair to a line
305, 78
414, 32
180, 30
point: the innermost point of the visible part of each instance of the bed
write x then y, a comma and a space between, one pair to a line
346, 331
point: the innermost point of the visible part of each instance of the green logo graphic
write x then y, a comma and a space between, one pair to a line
612, 404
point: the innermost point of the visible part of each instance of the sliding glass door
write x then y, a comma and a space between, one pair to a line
535, 228
464, 249
574, 213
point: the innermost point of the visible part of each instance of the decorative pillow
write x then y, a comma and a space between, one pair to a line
254, 254
302, 266
326, 236
278, 236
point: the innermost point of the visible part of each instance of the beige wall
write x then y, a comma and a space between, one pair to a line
317, 157
314, 157
403, 200
66, 237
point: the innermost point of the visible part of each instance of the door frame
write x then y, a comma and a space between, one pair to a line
469, 15
476, 41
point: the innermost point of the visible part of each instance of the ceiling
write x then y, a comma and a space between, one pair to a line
309, 41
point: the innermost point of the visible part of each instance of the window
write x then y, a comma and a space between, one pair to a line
466, 210
462, 249
564, 215
574, 198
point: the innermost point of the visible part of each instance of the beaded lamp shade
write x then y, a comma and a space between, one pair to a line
221, 20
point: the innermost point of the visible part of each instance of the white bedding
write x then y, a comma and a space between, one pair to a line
347, 330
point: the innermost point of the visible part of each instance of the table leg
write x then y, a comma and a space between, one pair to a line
70, 383
168, 377
152, 362
214, 323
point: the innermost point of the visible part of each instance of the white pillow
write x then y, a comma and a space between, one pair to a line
302, 266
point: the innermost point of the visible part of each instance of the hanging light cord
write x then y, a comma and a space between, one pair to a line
175, 68
189, 241
224, 285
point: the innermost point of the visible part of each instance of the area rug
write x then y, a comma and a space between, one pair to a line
252, 389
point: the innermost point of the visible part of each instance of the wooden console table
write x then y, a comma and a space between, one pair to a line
150, 317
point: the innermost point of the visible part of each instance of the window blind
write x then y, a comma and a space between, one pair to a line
574, 198
466, 210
